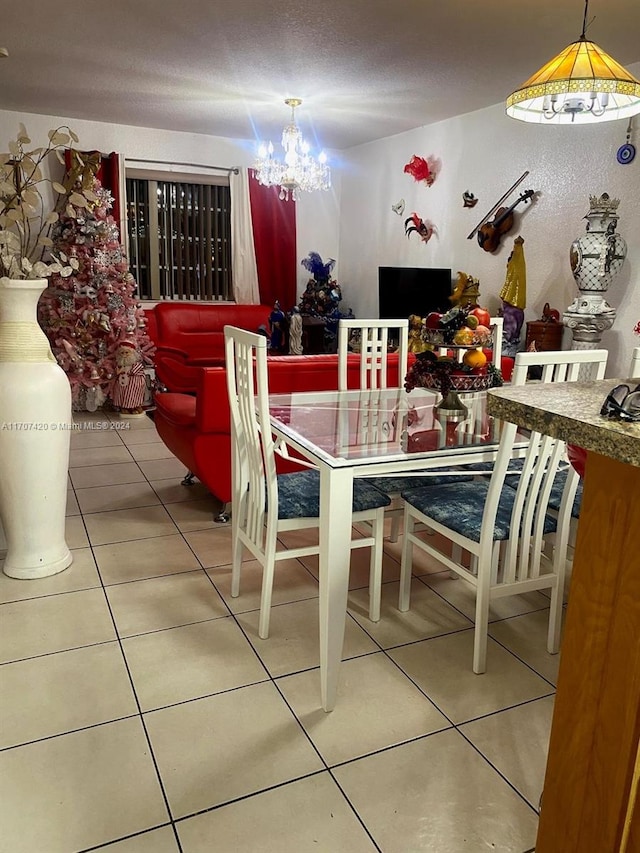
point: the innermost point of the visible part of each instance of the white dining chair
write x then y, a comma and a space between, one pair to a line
265, 503
535, 496
477, 517
375, 339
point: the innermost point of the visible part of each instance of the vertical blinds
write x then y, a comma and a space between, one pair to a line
180, 239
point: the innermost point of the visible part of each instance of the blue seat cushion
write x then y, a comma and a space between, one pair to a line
397, 485
460, 507
299, 495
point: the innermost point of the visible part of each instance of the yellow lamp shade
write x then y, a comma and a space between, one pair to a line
580, 85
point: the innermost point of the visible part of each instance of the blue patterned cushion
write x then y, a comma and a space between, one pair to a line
461, 507
555, 498
396, 485
299, 495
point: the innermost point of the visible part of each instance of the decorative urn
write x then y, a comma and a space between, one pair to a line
597, 257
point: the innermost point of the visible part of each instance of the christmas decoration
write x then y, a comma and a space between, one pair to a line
128, 385
89, 308
322, 296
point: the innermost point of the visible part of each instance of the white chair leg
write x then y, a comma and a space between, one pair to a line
395, 527
456, 556
406, 562
555, 618
483, 599
236, 561
267, 588
375, 566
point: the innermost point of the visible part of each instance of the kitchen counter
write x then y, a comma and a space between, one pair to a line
590, 801
570, 411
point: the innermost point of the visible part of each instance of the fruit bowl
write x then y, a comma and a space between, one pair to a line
436, 337
468, 382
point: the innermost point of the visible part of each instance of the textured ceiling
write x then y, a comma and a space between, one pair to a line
365, 69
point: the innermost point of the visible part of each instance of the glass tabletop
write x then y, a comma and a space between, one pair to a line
354, 427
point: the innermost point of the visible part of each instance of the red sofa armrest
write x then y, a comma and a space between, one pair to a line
173, 352
175, 373
212, 408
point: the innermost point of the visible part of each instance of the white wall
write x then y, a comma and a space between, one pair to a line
317, 213
485, 152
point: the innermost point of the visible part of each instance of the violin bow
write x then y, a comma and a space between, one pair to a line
498, 203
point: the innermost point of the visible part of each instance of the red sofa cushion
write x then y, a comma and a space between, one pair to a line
197, 327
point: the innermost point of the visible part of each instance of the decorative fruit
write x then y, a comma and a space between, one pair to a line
432, 320
482, 334
472, 322
463, 337
484, 318
474, 358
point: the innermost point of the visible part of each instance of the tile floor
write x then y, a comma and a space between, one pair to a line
141, 713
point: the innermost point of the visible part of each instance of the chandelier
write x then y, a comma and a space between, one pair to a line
581, 85
299, 170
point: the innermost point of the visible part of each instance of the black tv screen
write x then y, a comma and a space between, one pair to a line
403, 291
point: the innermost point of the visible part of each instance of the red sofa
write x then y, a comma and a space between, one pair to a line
197, 428
189, 335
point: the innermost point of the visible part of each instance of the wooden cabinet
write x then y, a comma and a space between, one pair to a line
590, 799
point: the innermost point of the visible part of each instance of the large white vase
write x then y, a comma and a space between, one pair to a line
35, 431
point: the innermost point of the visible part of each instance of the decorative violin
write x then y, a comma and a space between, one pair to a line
490, 233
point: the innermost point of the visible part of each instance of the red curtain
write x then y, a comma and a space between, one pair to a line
108, 174
274, 235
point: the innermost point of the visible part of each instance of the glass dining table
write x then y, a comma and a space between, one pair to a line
382, 432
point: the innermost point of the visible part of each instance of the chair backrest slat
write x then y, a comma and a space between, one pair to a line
254, 469
374, 347
634, 369
522, 555
561, 365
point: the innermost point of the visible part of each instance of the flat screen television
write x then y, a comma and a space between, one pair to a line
403, 291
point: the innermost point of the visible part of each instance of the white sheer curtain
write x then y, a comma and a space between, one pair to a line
243, 254
122, 193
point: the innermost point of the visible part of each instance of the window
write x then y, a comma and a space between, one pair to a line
179, 238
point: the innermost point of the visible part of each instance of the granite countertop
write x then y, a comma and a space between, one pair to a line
570, 411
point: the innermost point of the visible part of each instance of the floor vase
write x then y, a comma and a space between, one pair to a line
35, 432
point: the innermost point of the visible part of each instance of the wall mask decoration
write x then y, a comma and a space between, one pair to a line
424, 228
423, 170
468, 199
399, 207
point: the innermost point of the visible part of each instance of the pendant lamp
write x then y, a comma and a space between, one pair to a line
581, 85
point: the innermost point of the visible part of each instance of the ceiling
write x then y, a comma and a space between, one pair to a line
365, 69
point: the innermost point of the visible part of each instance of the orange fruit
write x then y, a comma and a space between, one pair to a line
474, 358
